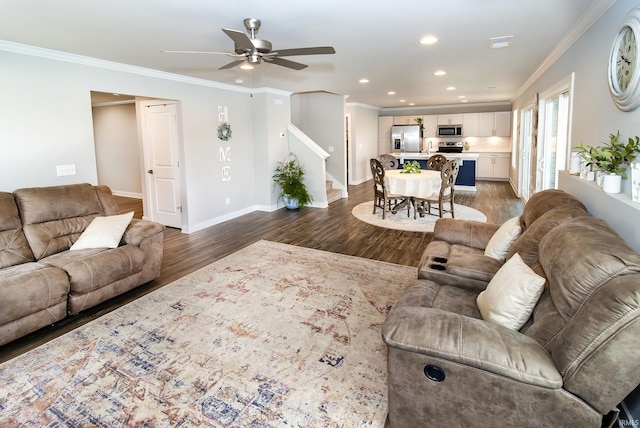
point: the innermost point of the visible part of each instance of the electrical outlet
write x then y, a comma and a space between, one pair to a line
227, 201
63, 170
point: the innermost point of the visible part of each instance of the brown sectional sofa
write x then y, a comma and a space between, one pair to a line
571, 363
41, 281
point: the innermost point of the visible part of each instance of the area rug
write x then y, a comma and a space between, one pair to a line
273, 335
400, 221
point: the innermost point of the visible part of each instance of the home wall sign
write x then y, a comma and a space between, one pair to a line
224, 132
225, 158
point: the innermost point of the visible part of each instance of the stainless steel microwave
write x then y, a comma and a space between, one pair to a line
450, 130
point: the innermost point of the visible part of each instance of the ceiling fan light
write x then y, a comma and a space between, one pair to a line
246, 66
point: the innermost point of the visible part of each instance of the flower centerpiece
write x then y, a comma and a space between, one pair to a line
612, 158
411, 167
288, 175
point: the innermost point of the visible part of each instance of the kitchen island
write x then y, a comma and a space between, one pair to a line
467, 174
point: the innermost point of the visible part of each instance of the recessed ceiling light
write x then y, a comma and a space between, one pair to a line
391, 93
428, 40
464, 101
403, 101
440, 73
451, 88
462, 96
412, 104
500, 42
363, 80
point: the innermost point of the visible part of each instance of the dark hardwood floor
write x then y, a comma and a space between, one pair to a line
333, 229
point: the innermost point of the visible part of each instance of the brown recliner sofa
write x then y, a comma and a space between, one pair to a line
569, 365
41, 281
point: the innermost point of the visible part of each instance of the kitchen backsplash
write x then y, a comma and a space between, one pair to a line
477, 144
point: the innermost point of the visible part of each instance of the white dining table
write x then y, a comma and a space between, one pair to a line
422, 185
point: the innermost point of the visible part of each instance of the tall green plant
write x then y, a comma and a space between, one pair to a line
288, 175
612, 157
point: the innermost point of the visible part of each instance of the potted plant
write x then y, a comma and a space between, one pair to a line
288, 175
612, 158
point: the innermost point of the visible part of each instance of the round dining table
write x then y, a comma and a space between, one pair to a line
419, 185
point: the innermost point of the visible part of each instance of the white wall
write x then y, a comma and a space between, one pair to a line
364, 141
321, 116
117, 149
47, 121
595, 115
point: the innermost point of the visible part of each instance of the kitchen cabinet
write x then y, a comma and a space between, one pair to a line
496, 124
450, 119
406, 120
493, 166
470, 125
430, 126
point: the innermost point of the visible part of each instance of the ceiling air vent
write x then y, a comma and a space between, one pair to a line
500, 42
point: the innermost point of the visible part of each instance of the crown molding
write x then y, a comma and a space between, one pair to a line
590, 17
126, 68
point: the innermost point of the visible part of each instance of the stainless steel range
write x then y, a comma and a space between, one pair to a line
450, 146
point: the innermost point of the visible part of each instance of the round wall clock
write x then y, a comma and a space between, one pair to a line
624, 69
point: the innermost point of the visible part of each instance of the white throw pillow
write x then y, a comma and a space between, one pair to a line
511, 295
104, 232
501, 241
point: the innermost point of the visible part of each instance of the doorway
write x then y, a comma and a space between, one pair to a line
123, 160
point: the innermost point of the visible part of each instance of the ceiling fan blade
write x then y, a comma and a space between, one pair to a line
204, 52
231, 64
285, 63
240, 39
319, 50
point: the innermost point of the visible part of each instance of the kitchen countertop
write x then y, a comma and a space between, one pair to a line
463, 155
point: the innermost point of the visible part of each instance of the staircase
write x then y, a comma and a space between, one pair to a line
332, 194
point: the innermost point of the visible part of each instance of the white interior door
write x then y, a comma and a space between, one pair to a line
162, 163
524, 167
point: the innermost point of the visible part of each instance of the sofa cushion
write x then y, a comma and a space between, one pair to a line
544, 201
103, 232
91, 269
54, 217
527, 244
14, 248
428, 294
511, 295
29, 288
501, 241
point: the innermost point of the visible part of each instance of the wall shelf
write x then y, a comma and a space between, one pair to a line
618, 210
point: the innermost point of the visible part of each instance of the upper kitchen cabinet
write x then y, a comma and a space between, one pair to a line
430, 126
401, 120
496, 124
470, 125
450, 119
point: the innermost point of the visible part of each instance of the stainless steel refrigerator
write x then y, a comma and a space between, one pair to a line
405, 138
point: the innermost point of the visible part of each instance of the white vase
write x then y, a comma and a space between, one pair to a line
611, 183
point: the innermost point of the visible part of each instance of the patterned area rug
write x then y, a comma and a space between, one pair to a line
272, 335
400, 221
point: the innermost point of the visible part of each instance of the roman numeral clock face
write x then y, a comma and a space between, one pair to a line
624, 70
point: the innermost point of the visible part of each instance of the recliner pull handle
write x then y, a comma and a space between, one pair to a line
434, 373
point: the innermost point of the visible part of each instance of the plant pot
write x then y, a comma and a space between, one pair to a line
291, 204
611, 183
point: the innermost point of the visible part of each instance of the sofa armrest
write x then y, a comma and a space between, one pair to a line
471, 342
139, 230
464, 232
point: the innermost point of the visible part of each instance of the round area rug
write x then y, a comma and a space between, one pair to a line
400, 221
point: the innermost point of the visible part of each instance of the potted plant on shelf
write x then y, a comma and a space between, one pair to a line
288, 175
612, 158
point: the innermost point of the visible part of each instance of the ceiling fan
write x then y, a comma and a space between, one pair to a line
250, 50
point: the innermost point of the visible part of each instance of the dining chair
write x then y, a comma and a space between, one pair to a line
448, 175
436, 162
388, 161
381, 198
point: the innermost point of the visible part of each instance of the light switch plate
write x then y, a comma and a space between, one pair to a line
69, 169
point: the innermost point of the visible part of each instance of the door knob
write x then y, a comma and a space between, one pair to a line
150, 171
